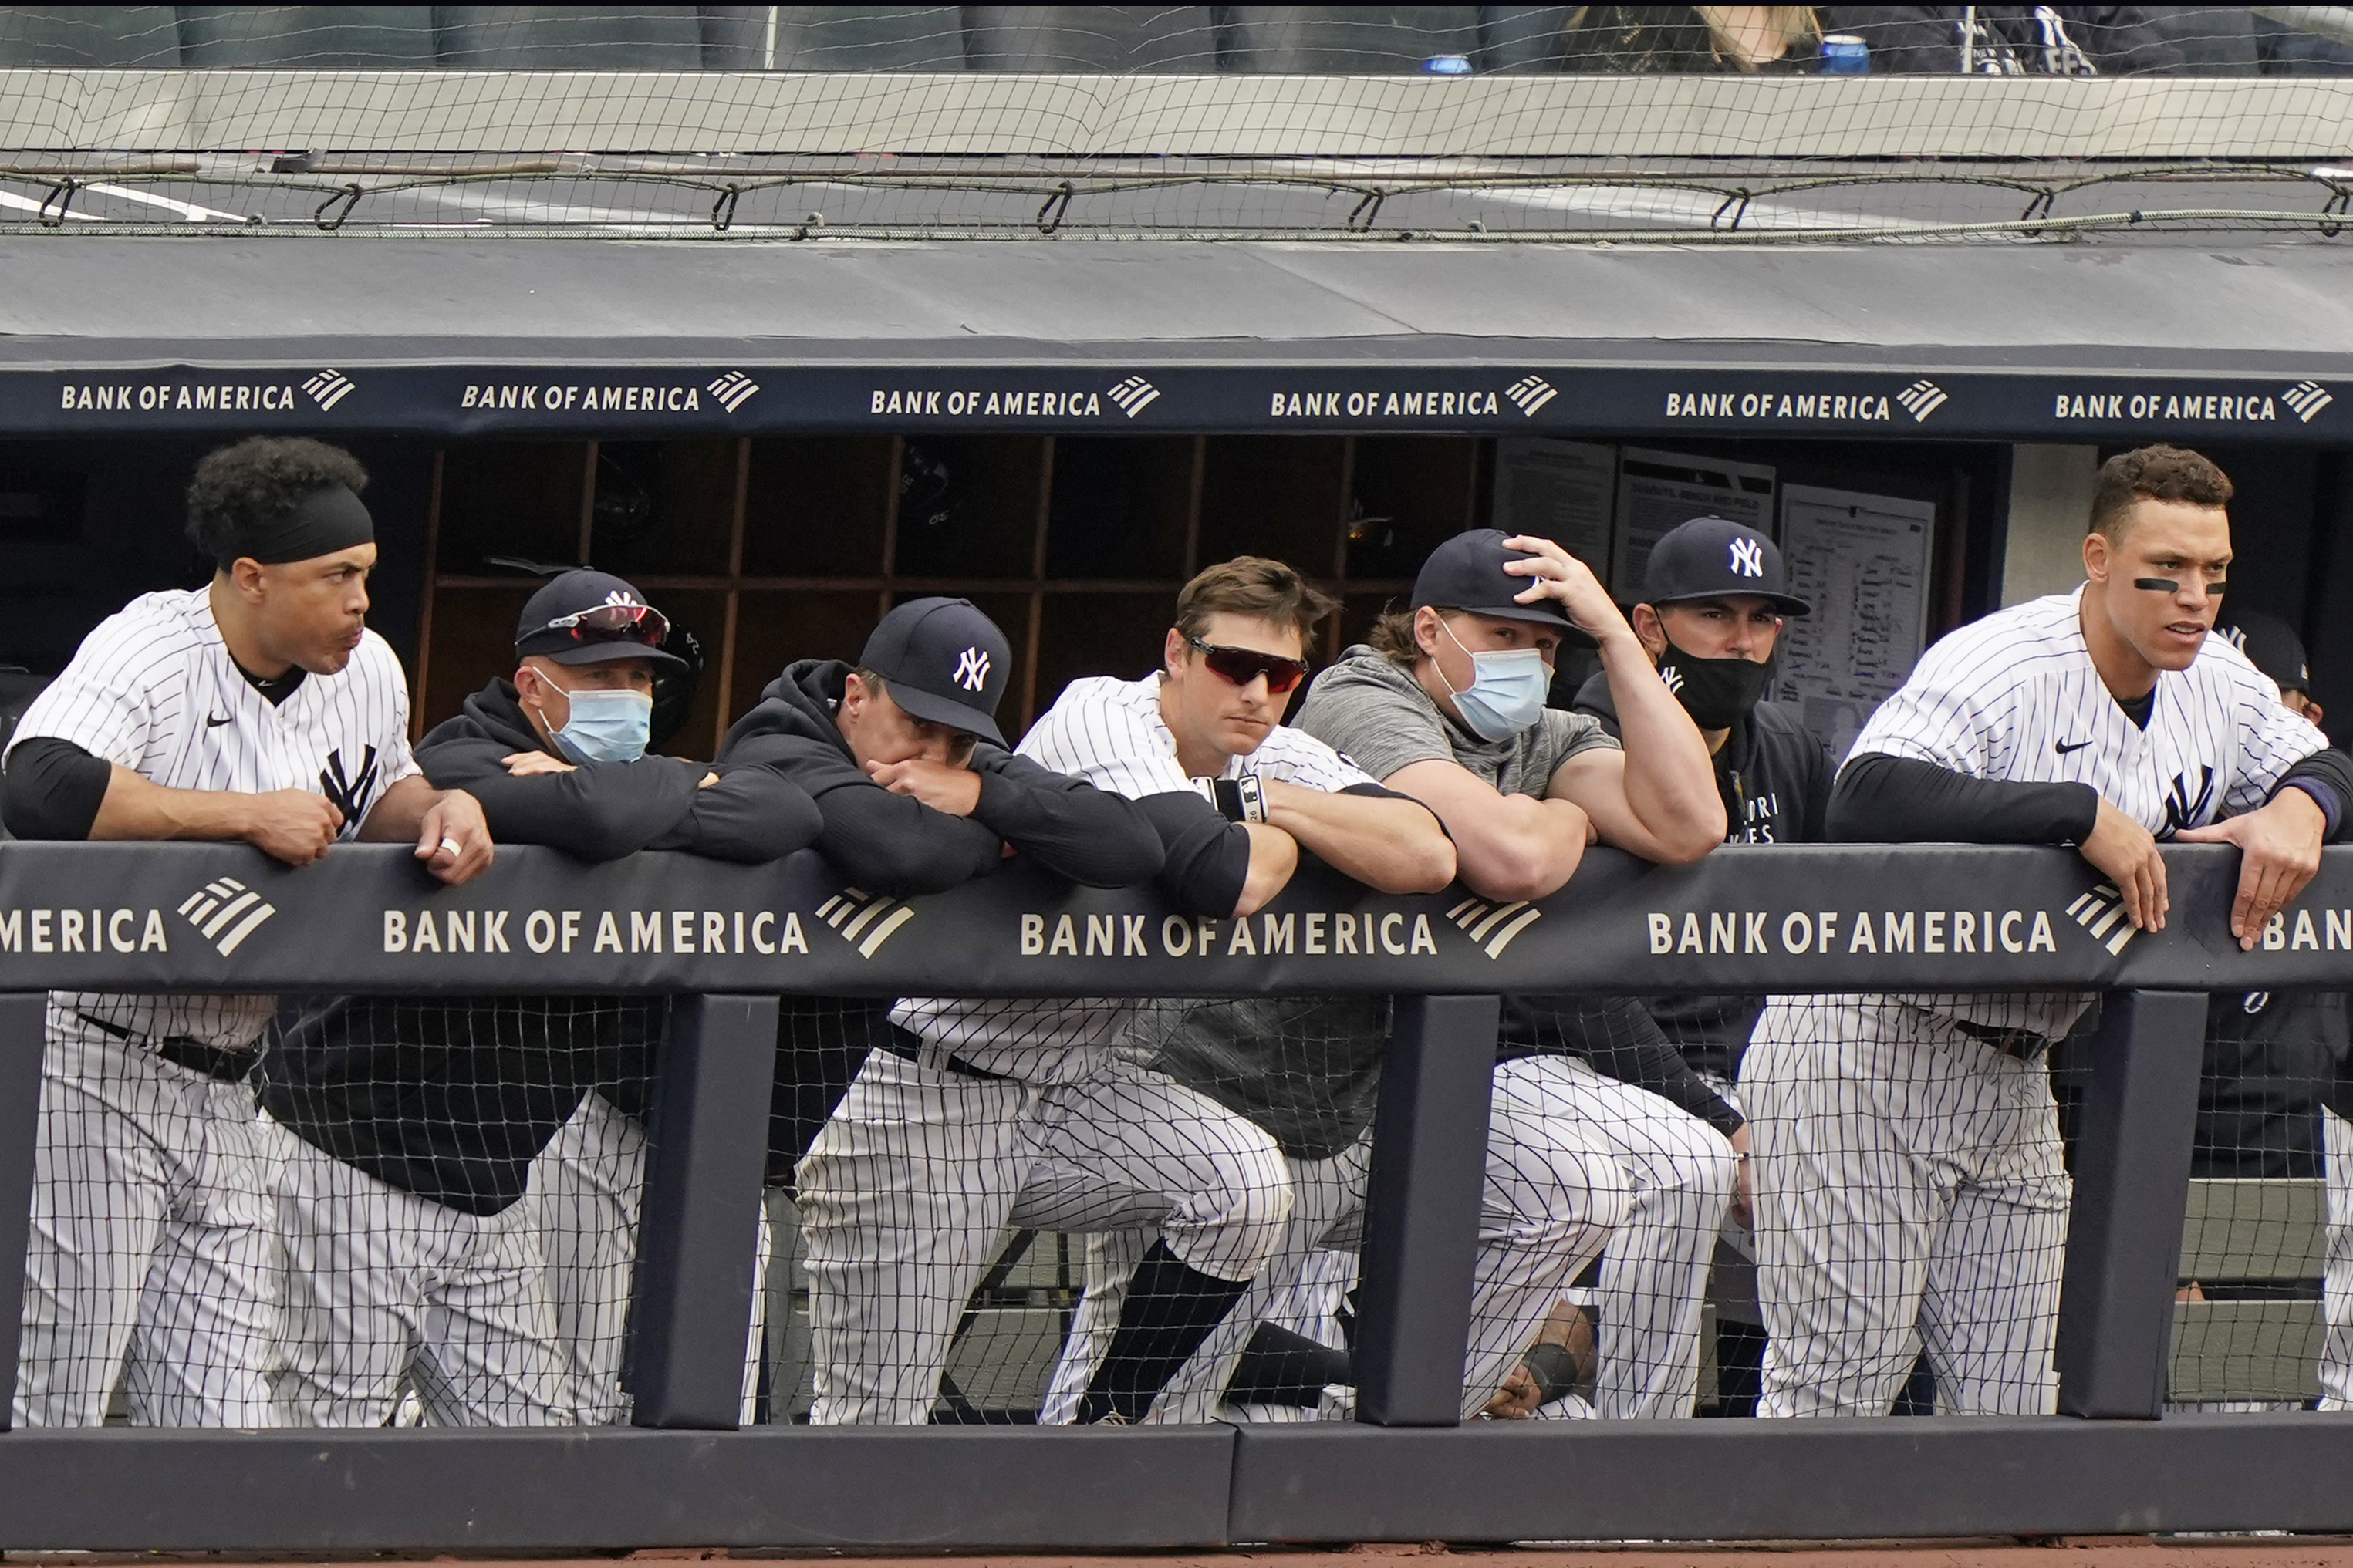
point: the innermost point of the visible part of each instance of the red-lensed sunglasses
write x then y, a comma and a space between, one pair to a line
1243, 665
615, 623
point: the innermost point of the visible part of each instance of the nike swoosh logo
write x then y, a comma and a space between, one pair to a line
213, 723
2063, 747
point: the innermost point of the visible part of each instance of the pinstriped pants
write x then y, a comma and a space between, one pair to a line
153, 1241
1553, 1194
905, 1191
1910, 1195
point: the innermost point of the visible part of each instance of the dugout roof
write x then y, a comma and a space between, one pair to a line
2009, 340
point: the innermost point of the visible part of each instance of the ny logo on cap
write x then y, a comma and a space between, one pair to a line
1749, 557
971, 670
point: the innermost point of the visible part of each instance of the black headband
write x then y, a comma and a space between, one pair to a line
320, 523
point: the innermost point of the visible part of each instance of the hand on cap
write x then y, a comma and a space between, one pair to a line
1568, 582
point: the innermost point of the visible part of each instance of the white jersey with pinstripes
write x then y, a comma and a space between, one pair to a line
2014, 696
154, 690
1109, 733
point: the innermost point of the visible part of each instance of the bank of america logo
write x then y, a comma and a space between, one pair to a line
1492, 926
1921, 399
2100, 911
1134, 395
864, 920
328, 387
734, 390
2307, 398
1529, 394
226, 912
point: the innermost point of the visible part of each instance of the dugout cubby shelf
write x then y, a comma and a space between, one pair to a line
783, 548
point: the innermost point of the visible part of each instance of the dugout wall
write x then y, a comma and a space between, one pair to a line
1402, 1472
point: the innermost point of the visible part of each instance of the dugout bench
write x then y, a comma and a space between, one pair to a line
1405, 1469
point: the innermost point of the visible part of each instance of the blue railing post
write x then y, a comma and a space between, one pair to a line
699, 1224
2132, 1186
1421, 1221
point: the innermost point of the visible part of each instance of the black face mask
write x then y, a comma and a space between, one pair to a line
1716, 692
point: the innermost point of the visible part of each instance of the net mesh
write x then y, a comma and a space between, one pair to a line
1461, 121
426, 1211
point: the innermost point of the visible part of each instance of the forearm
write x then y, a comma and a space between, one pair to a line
138, 810
2326, 778
1393, 844
1670, 780
1273, 857
1094, 837
1883, 799
892, 844
398, 814
1522, 847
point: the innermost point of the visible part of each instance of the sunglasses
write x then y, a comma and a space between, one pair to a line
1243, 665
615, 623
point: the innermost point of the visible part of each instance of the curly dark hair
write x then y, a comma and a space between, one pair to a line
262, 476
2154, 473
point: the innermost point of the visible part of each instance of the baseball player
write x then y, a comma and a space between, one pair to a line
257, 709
1714, 599
903, 1191
417, 1123
1448, 706
1214, 712
1909, 1188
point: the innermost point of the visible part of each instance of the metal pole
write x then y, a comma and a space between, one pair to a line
1421, 1221
699, 1227
2132, 1186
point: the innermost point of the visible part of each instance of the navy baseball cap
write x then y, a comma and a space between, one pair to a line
1466, 572
591, 617
947, 663
1714, 558
2272, 645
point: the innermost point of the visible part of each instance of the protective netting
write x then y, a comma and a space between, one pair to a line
1467, 121
381, 1211
2267, 1249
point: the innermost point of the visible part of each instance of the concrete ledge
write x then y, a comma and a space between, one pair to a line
613, 1489
1691, 1480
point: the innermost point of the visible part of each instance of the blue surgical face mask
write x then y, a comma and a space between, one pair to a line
606, 726
1507, 691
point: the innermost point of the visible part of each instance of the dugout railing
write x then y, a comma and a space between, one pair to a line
733, 939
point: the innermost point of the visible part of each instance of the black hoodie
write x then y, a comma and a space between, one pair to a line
452, 1098
895, 844
1775, 779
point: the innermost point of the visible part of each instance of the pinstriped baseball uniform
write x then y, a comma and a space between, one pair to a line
925, 1162
1909, 1185
153, 1237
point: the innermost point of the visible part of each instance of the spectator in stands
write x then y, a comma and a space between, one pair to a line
413, 1257
2008, 41
257, 709
1714, 599
1303, 1071
1447, 705
1621, 40
912, 1177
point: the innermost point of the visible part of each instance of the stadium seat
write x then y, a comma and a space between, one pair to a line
869, 38
1345, 39
317, 37
569, 37
1090, 39
66, 35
